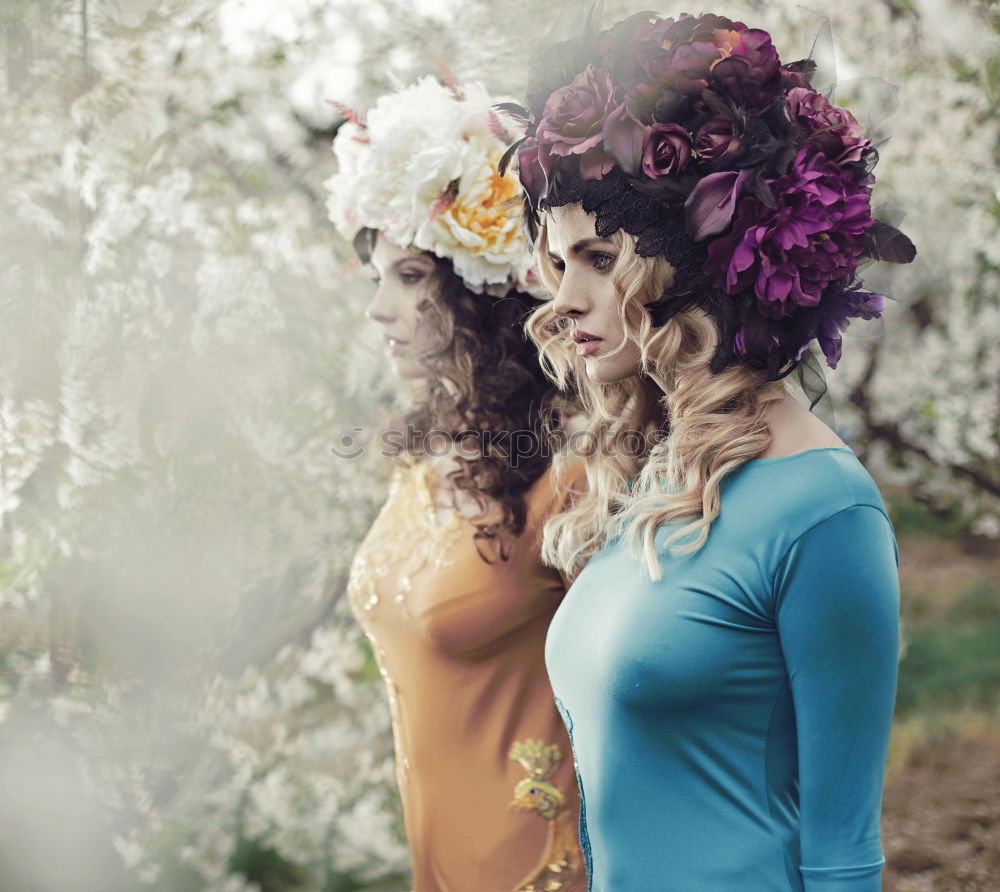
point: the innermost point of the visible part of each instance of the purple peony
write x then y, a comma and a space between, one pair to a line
693, 29
834, 129
686, 68
680, 54
666, 149
789, 254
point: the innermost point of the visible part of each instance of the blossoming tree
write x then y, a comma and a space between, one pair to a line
183, 345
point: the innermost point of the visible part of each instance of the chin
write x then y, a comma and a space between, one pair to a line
609, 371
406, 369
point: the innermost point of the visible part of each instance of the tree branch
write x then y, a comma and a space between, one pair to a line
889, 432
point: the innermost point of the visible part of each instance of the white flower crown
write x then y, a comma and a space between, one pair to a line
423, 171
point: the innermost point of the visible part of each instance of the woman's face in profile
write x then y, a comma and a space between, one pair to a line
405, 280
583, 264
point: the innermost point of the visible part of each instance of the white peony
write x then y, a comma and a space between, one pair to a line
423, 171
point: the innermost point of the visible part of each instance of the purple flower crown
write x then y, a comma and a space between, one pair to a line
768, 183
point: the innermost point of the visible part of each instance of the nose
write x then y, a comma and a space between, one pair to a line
380, 307
571, 299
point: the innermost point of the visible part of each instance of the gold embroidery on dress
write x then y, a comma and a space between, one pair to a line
535, 793
405, 537
392, 695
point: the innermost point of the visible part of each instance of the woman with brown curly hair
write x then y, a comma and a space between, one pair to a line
726, 659
448, 583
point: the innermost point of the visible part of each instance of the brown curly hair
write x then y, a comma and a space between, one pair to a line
484, 377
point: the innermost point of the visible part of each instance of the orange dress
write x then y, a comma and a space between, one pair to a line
483, 763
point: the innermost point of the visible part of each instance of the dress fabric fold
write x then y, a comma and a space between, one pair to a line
730, 720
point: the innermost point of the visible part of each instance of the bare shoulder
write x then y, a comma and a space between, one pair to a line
795, 429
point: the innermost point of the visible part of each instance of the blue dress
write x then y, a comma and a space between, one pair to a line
730, 722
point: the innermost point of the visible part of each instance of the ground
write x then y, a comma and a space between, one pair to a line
941, 818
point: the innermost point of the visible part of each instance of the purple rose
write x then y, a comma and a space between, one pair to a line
835, 129
717, 140
789, 254
750, 73
666, 149
573, 118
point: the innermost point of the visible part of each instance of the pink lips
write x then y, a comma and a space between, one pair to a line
586, 343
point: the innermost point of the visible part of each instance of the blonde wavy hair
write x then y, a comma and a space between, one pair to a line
660, 442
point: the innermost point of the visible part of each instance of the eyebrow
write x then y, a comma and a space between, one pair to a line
426, 264
580, 246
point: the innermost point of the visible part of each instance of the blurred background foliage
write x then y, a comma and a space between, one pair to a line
185, 703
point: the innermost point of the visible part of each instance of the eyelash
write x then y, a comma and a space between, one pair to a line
405, 277
600, 260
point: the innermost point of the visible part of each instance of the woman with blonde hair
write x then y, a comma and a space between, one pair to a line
448, 583
725, 661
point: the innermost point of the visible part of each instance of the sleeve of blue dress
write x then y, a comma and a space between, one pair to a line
837, 602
